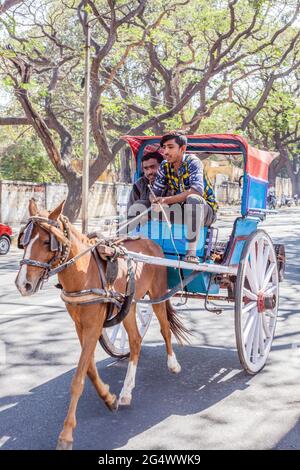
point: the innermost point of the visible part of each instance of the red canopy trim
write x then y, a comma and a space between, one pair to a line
258, 162
136, 142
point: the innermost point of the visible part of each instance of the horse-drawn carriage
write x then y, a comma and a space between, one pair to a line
248, 266
101, 278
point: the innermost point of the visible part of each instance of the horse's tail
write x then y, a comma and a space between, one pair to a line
178, 329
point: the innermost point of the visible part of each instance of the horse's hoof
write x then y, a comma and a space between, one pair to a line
175, 369
114, 405
125, 400
173, 364
64, 445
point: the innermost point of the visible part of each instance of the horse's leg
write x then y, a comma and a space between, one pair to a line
135, 342
90, 337
101, 387
160, 311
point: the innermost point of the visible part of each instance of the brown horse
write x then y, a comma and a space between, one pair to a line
50, 242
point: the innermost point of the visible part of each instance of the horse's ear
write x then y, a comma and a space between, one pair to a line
56, 212
32, 208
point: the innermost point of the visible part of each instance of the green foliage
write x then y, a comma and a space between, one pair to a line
183, 43
27, 161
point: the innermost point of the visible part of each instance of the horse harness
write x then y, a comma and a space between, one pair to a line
59, 262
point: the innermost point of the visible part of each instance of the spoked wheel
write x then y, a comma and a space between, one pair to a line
256, 301
114, 340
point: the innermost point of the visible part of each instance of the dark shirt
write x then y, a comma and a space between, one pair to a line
140, 193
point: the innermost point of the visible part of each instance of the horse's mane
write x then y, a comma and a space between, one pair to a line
82, 238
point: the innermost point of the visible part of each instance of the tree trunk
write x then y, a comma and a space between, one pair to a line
125, 165
286, 162
74, 198
296, 183
272, 173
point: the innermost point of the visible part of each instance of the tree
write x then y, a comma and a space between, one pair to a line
153, 67
27, 161
276, 127
7, 4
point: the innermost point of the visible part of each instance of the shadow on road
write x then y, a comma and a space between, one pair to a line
34, 421
291, 440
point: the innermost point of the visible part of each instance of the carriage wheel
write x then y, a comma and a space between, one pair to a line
256, 301
114, 340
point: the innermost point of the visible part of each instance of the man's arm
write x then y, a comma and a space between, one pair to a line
178, 198
134, 196
196, 175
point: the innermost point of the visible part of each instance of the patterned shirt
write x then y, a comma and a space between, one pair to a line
190, 175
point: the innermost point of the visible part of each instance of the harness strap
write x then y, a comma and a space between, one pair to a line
87, 298
45, 220
99, 266
71, 261
130, 290
37, 264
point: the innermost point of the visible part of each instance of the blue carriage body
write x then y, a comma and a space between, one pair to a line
253, 205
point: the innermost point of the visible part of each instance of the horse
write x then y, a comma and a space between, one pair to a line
52, 245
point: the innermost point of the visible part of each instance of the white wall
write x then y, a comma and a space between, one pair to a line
104, 198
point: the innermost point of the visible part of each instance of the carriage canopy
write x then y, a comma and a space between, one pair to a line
256, 162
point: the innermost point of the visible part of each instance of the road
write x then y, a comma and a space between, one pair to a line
211, 404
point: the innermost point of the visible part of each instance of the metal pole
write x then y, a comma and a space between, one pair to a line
86, 131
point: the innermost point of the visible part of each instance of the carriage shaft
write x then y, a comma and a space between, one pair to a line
173, 263
192, 295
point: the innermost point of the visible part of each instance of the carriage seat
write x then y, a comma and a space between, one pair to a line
159, 232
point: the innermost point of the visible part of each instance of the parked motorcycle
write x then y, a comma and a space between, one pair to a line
286, 201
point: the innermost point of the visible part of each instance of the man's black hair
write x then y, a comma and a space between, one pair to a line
180, 139
158, 157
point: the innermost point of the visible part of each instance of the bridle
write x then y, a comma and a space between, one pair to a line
60, 261
61, 250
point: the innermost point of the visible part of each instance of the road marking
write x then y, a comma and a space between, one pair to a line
230, 375
6, 407
4, 439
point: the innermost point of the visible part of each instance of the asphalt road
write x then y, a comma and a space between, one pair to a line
211, 404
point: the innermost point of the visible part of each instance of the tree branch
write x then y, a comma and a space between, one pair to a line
9, 4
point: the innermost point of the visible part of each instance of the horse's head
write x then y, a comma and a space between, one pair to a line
45, 243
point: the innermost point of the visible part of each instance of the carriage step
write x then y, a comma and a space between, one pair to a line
218, 252
221, 246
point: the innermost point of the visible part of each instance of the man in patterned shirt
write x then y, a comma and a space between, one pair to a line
183, 175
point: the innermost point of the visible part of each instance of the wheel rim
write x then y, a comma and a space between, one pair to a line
115, 339
257, 303
4, 245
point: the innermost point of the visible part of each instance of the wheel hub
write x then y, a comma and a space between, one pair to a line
265, 302
3, 245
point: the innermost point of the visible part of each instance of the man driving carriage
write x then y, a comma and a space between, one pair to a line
181, 175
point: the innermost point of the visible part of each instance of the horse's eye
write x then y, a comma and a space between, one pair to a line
46, 242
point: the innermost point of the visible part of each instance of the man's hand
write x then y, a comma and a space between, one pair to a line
159, 200
158, 204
